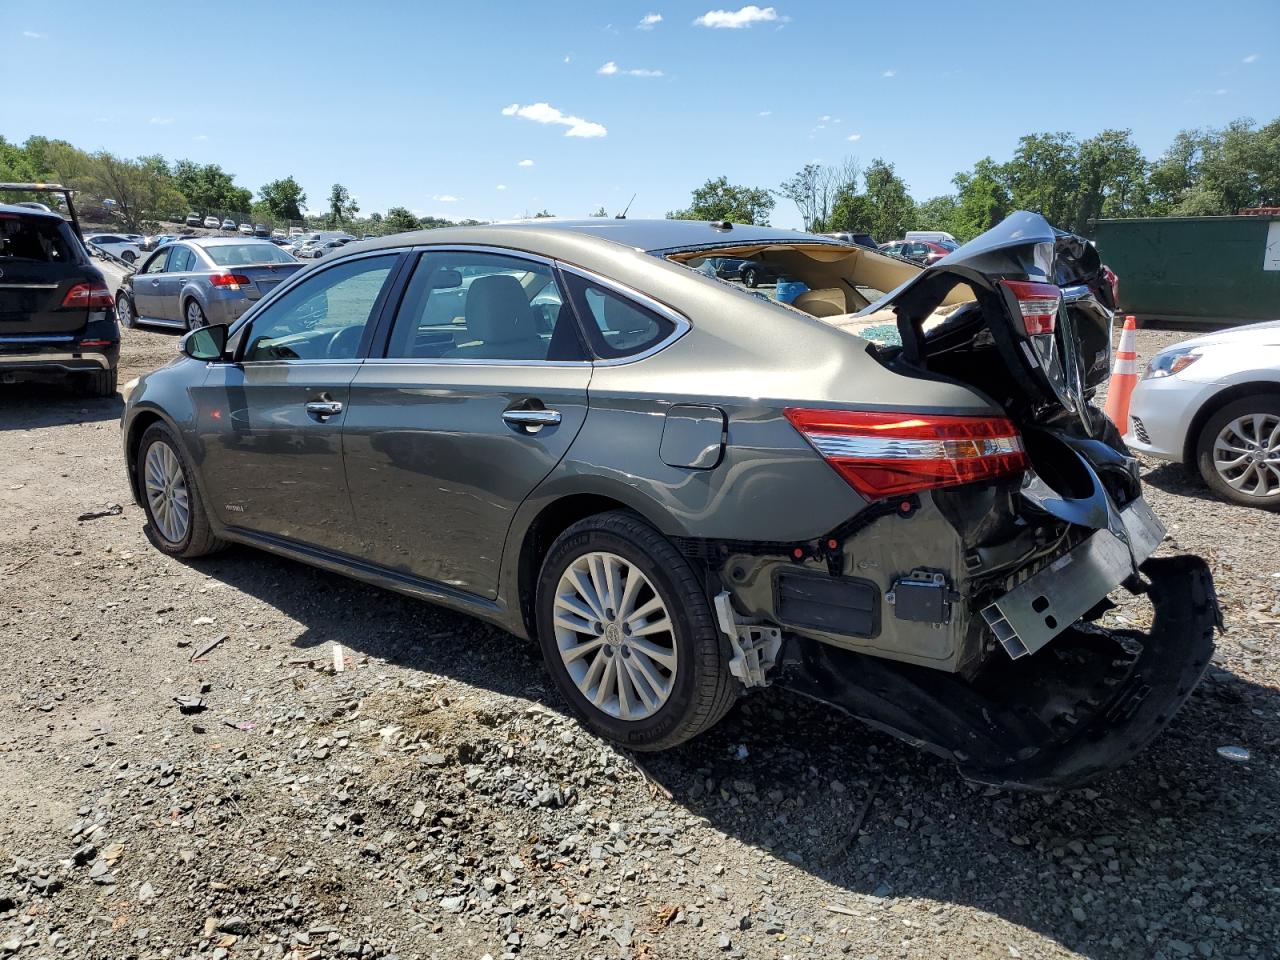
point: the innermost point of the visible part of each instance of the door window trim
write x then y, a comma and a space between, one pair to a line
414, 256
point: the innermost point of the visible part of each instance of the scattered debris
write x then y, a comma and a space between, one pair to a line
111, 510
208, 647
189, 704
339, 661
1234, 753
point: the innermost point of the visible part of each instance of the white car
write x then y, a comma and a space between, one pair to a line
117, 245
211, 223
1213, 403
246, 229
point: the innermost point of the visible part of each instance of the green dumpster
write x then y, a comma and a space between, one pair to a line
1195, 269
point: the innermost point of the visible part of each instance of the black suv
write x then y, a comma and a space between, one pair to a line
57, 317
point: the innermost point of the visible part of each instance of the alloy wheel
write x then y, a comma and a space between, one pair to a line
167, 492
195, 316
124, 311
1246, 454
615, 636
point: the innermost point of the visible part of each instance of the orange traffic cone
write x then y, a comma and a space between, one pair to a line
1124, 376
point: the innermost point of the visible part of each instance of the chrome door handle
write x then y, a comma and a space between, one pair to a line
324, 408
155, 283
531, 421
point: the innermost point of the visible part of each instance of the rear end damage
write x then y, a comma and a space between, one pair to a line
960, 609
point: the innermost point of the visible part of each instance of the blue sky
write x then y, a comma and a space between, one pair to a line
492, 110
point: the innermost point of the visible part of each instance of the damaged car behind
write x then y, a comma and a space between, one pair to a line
895, 495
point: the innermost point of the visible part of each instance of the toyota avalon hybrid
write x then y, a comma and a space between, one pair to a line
895, 495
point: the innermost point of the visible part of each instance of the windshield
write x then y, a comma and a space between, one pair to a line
241, 254
38, 239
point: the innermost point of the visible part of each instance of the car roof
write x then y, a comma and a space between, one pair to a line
30, 211
223, 241
650, 236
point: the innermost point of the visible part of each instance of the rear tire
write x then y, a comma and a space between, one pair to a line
169, 490
125, 312
99, 384
128, 256
1240, 444
194, 315
676, 672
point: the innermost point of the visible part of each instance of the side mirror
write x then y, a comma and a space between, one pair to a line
205, 343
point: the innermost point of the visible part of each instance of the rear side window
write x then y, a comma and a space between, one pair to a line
476, 306
34, 239
616, 325
181, 260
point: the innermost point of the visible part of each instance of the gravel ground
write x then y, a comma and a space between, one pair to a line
432, 799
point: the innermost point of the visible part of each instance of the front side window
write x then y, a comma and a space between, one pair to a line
157, 262
468, 305
324, 317
616, 325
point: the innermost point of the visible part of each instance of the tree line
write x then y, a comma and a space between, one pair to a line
1071, 181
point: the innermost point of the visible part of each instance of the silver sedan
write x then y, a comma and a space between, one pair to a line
192, 283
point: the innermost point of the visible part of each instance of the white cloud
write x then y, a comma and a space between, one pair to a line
854, 137
612, 69
545, 113
648, 21
1251, 58
501, 186
201, 136
525, 163
568, 59
446, 198
765, 113
1221, 92
161, 121
825, 118
32, 35
736, 19
889, 74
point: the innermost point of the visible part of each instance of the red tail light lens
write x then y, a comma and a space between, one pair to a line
1111, 280
1037, 303
893, 454
88, 296
232, 281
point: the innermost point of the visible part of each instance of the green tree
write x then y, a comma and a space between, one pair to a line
1112, 179
718, 199
544, 214
283, 198
341, 207
938, 213
435, 223
143, 194
815, 189
600, 211
209, 188
893, 210
982, 200
399, 220
1044, 176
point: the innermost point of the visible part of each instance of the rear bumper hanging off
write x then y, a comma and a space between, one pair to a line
1056, 718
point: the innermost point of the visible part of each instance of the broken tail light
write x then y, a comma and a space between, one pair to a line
88, 296
884, 454
1037, 304
232, 281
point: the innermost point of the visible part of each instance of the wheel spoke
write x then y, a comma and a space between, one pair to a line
660, 624
640, 615
582, 585
635, 580
644, 675
1239, 481
664, 657
608, 681
625, 695
581, 650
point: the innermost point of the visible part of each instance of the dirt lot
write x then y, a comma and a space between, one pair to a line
433, 799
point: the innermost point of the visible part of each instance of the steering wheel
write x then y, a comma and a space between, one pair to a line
345, 344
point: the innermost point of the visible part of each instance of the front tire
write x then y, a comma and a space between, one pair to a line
749, 278
176, 517
128, 256
1238, 452
628, 634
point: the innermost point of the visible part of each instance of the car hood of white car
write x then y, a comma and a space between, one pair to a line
1255, 334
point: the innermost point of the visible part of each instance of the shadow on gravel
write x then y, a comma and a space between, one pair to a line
1175, 855
27, 405
1177, 479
